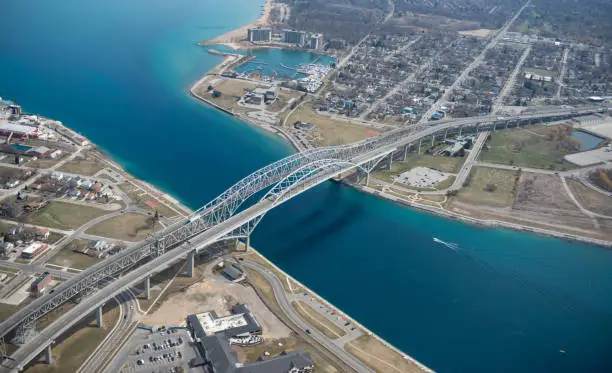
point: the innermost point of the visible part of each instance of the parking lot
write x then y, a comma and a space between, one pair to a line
162, 351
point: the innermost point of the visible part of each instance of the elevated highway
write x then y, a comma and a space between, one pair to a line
225, 218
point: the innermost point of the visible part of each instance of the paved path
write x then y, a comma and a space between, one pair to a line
294, 317
96, 362
499, 101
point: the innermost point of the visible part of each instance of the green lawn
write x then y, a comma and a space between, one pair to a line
475, 192
65, 215
67, 257
526, 147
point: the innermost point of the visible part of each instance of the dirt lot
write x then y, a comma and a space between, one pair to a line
219, 296
590, 199
331, 131
86, 166
480, 33
476, 191
128, 227
545, 195
379, 357
65, 215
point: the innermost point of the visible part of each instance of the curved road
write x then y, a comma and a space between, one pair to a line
287, 308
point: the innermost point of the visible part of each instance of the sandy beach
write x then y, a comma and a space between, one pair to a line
231, 38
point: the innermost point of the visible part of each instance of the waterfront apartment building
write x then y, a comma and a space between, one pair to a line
260, 35
315, 41
294, 37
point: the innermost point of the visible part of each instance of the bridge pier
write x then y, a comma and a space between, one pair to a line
48, 354
445, 134
406, 150
420, 141
190, 263
147, 287
433, 139
247, 242
367, 183
100, 321
390, 161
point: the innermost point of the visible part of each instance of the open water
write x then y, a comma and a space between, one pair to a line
495, 301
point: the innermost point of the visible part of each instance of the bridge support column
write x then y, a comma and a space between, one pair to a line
100, 321
367, 183
433, 139
48, 355
460, 129
494, 125
420, 141
406, 150
390, 161
247, 242
190, 263
445, 133
147, 287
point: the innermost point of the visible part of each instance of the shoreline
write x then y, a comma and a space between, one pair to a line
490, 223
228, 38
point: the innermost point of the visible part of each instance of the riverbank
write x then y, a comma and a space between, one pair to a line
492, 223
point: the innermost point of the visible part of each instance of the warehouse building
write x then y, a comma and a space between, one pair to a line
18, 130
32, 251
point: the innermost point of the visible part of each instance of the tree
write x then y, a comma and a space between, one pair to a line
490, 188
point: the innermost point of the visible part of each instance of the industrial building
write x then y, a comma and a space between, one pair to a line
260, 35
233, 273
41, 283
35, 249
212, 335
18, 130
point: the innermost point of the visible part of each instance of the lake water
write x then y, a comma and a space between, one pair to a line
587, 141
503, 301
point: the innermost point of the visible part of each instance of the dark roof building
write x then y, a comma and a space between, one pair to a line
218, 357
212, 335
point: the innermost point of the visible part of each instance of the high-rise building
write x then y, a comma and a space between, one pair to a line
260, 35
294, 37
315, 41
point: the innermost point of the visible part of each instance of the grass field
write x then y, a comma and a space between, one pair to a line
317, 320
66, 257
82, 166
475, 192
231, 90
146, 201
332, 132
540, 72
380, 357
444, 164
526, 147
77, 344
590, 199
127, 227
65, 215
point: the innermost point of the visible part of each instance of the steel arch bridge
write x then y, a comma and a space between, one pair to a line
226, 217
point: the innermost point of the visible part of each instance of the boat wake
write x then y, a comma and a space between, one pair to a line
451, 245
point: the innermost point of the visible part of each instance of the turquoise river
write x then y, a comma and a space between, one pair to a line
503, 301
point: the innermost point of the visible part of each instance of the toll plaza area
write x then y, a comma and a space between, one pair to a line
159, 351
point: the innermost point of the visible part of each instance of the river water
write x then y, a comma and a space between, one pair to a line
497, 301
